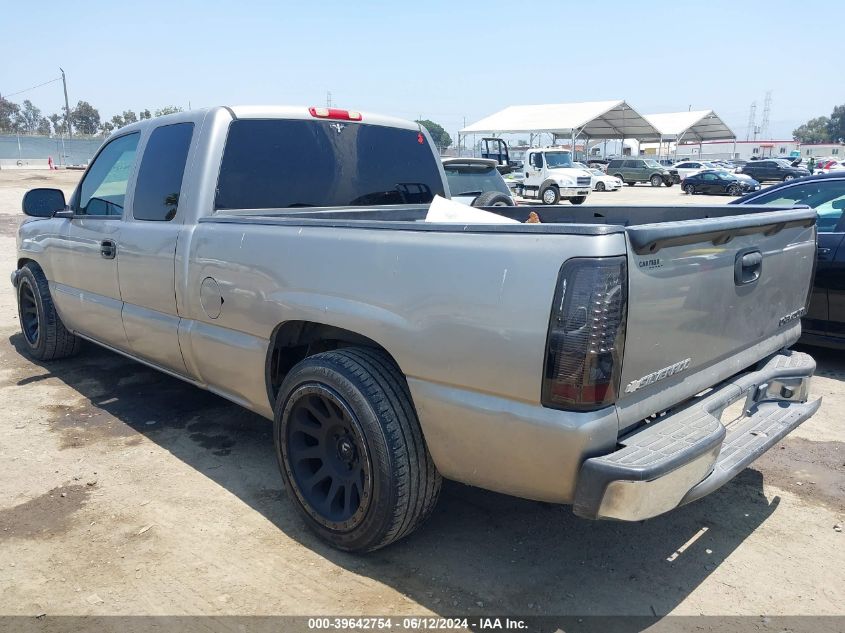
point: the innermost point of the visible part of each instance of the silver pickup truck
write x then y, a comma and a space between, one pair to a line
281, 257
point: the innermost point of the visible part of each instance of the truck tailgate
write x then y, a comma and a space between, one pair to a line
709, 298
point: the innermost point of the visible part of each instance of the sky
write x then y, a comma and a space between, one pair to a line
446, 61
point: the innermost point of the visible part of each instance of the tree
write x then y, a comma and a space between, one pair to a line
43, 127
27, 118
836, 124
168, 110
440, 136
85, 118
58, 122
8, 115
117, 122
145, 114
813, 131
106, 128
129, 117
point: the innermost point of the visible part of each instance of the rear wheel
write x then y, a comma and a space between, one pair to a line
550, 195
690, 189
578, 199
656, 181
351, 451
44, 334
788, 177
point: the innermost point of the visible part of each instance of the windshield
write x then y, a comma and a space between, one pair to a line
287, 163
558, 159
474, 180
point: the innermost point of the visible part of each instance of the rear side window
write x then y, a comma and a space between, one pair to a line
614, 164
160, 177
282, 163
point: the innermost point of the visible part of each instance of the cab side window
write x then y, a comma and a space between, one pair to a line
537, 160
826, 197
160, 176
103, 191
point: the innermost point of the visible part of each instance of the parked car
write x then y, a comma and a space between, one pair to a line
714, 181
824, 323
390, 351
477, 182
831, 165
603, 182
772, 169
689, 167
634, 170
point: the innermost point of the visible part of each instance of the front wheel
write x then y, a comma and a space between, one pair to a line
600, 186
550, 195
690, 189
734, 190
44, 334
788, 177
351, 451
656, 181
578, 199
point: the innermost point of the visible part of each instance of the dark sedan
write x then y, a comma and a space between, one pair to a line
824, 323
714, 181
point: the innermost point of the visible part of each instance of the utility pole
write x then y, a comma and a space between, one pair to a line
751, 127
67, 106
767, 107
328, 99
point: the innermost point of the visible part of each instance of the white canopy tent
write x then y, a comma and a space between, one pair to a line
590, 120
696, 125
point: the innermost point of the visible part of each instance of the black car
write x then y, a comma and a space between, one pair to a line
715, 181
824, 322
772, 169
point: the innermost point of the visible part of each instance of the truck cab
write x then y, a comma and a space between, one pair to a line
550, 176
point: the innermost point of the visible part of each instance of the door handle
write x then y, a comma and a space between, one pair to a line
823, 252
108, 249
749, 264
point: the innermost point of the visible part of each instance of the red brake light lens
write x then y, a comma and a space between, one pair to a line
586, 334
334, 113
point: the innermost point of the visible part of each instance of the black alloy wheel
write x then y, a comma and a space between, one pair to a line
328, 457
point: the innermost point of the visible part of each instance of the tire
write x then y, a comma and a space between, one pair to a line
734, 190
656, 181
600, 186
550, 195
45, 336
578, 199
493, 199
668, 183
359, 397
689, 189
788, 177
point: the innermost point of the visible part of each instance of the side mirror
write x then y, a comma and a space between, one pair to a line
43, 203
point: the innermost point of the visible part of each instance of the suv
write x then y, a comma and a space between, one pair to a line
772, 169
634, 170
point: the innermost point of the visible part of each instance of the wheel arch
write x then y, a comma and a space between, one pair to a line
293, 341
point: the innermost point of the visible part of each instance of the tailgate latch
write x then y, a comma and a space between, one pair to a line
749, 264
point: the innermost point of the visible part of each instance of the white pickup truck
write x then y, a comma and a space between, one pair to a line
281, 257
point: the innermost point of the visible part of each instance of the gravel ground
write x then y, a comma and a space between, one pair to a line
125, 491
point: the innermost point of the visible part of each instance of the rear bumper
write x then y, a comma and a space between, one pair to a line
689, 453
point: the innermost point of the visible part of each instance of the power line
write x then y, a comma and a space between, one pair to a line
33, 87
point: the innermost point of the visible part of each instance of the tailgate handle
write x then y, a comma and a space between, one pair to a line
749, 264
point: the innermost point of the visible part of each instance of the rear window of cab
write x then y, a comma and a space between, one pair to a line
290, 163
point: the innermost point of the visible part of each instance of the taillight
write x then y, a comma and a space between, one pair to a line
586, 334
334, 113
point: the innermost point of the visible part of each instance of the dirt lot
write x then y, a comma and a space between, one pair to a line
124, 491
